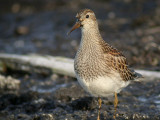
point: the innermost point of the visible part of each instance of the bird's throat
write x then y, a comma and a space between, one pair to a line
90, 38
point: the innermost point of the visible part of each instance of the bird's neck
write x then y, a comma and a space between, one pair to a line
90, 37
90, 48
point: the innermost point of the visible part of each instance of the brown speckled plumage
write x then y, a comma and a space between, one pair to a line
100, 69
84, 11
117, 62
102, 58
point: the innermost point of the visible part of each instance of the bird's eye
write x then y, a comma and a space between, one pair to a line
87, 16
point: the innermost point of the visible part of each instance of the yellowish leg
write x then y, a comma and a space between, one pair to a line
115, 105
99, 103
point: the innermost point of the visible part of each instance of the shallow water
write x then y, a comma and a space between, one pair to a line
46, 89
42, 27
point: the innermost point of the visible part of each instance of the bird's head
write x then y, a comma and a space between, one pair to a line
85, 19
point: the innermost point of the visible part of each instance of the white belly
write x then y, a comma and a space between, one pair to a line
103, 86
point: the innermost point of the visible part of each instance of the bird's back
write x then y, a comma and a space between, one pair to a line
117, 61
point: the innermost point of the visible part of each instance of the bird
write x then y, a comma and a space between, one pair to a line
101, 69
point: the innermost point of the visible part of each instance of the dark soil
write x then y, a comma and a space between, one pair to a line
27, 26
139, 101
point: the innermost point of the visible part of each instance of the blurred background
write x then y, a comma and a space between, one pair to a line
41, 26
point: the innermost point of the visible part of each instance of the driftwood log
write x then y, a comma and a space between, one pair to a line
48, 64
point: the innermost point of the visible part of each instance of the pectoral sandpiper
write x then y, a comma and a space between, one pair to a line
100, 69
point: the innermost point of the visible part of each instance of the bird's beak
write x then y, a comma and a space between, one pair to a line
77, 25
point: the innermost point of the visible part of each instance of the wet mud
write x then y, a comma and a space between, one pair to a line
132, 26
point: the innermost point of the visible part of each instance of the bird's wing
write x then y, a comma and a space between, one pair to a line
118, 62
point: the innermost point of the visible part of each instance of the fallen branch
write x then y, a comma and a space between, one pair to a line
49, 64
38, 64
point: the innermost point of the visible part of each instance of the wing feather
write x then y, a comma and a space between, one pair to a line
117, 62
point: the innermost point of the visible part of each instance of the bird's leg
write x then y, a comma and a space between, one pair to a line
99, 103
115, 105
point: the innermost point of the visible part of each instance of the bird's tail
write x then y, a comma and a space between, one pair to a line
137, 76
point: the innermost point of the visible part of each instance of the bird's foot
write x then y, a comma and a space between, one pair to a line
98, 118
114, 116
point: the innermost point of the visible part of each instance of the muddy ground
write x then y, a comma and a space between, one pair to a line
132, 26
